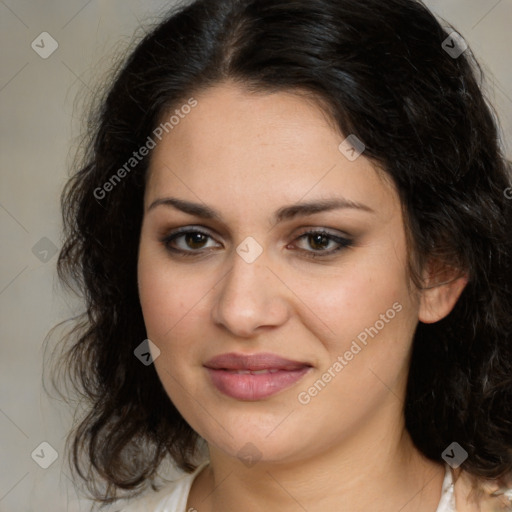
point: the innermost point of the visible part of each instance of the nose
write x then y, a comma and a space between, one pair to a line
250, 298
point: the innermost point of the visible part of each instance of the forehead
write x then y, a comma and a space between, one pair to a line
260, 148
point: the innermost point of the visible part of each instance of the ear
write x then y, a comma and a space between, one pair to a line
443, 287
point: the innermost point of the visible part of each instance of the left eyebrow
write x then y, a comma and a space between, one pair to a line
282, 214
310, 208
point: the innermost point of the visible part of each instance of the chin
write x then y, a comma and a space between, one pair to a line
259, 438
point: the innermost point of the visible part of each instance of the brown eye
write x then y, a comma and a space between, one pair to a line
195, 240
189, 242
318, 241
322, 244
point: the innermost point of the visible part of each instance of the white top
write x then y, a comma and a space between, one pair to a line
173, 497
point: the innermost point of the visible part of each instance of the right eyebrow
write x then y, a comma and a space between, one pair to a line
189, 207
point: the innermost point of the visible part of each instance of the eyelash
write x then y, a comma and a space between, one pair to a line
342, 242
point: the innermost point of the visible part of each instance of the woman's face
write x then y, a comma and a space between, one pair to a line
328, 316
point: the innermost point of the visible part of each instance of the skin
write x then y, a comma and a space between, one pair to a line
245, 155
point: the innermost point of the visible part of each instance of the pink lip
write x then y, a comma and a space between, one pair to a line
282, 373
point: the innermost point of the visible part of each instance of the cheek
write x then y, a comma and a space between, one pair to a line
167, 296
174, 303
355, 296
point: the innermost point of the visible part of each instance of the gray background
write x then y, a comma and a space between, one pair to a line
41, 103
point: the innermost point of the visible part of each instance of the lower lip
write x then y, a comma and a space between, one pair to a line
246, 386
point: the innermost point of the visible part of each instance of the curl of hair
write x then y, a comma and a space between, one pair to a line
379, 71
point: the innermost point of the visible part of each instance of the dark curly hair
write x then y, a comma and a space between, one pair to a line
381, 71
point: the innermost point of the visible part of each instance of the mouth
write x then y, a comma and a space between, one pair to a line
254, 377
252, 372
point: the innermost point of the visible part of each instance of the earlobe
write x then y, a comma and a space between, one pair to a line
440, 294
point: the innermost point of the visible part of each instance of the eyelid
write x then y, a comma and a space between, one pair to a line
327, 231
166, 233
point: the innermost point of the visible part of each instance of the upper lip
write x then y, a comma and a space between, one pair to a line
255, 362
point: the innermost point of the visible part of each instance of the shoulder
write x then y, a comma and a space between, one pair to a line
171, 497
472, 495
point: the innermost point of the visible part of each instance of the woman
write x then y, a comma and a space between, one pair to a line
292, 232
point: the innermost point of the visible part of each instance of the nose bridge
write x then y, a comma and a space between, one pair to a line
249, 295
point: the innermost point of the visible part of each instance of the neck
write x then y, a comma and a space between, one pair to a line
369, 471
